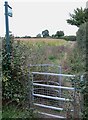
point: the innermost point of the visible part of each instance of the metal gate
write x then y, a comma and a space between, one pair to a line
52, 93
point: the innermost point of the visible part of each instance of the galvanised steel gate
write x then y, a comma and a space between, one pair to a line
52, 93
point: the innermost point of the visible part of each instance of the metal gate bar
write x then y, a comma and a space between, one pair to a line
54, 98
53, 74
51, 115
46, 106
53, 86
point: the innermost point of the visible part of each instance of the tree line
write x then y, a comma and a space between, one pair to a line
79, 17
45, 34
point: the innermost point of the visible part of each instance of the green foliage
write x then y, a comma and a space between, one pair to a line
82, 40
26, 36
79, 17
12, 112
74, 63
35, 52
86, 14
69, 38
59, 34
52, 58
45, 33
82, 37
13, 77
53, 36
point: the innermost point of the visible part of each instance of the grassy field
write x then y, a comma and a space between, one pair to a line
44, 50
47, 41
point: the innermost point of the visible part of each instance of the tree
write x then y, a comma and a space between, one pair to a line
53, 36
59, 34
79, 17
26, 36
45, 33
38, 36
86, 15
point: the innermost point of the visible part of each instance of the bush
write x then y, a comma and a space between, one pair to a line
82, 42
81, 36
13, 79
69, 38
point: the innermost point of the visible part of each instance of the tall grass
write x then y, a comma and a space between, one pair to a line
42, 51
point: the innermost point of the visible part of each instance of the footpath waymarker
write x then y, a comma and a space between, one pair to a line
8, 12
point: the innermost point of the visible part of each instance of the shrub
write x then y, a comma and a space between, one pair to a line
13, 79
69, 38
82, 41
81, 36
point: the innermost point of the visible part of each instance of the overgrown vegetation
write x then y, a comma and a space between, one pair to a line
80, 19
35, 51
78, 64
82, 39
14, 81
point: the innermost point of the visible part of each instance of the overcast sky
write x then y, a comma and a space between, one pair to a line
31, 17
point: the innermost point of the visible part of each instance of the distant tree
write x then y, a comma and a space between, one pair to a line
17, 37
79, 17
45, 33
53, 36
69, 38
26, 36
59, 34
38, 36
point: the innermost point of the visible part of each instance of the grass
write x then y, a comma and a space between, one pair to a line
43, 50
41, 41
13, 112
